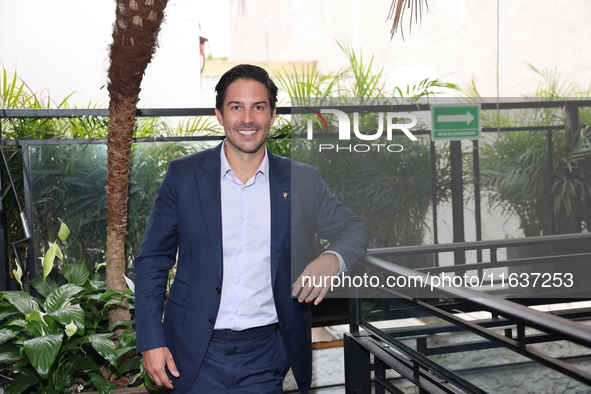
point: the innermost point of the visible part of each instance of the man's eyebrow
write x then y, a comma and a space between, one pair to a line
240, 102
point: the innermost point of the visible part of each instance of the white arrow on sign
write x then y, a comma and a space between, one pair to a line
468, 118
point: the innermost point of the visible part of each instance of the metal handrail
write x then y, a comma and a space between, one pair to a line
283, 110
555, 327
569, 330
476, 245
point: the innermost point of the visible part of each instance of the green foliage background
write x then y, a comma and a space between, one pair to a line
68, 180
516, 173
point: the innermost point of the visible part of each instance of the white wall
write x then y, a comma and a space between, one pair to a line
456, 41
61, 46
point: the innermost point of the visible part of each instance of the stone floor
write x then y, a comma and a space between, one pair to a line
328, 375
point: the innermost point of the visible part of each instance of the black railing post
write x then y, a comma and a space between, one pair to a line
357, 367
4, 277
434, 195
380, 376
4, 266
477, 201
457, 198
550, 149
571, 113
30, 258
354, 314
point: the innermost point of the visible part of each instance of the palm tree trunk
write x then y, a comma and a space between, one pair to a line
134, 42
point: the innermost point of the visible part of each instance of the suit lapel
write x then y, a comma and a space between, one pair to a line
207, 178
280, 189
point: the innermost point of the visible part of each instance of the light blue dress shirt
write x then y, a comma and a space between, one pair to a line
247, 296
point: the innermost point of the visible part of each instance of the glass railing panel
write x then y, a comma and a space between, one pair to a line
68, 183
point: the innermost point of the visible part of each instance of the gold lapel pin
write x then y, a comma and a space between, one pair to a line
285, 195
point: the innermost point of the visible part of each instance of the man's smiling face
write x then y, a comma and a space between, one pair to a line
247, 117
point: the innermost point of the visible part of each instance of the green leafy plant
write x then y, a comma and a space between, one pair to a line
68, 181
521, 178
60, 341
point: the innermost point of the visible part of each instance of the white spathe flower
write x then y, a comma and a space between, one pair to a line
18, 274
64, 231
130, 284
71, 329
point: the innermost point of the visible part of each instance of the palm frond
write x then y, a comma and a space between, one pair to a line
397, 9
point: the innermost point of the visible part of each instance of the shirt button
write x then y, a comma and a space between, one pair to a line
241, 250
218, 290
211, 321
238, 281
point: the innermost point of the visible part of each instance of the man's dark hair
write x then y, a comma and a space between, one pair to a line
247, 72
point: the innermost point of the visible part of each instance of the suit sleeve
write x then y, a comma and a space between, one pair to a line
156, 258
335, 222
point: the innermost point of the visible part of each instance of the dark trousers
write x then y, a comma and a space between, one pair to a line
243, 362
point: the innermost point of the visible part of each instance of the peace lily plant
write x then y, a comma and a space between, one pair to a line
60, 340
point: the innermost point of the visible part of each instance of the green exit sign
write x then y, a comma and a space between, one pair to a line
455, 122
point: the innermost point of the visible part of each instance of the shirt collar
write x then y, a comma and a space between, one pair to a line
227, 170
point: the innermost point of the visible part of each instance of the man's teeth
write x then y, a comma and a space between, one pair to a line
247, 132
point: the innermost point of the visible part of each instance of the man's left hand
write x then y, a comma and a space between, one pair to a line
320, 272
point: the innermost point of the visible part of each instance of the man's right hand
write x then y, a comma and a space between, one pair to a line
156, 361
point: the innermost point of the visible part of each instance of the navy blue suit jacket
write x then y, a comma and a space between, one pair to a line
186, 225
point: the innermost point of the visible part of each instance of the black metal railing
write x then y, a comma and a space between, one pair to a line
571, 109
407, 349
511, 325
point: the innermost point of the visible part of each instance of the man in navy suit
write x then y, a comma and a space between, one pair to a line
239, 222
